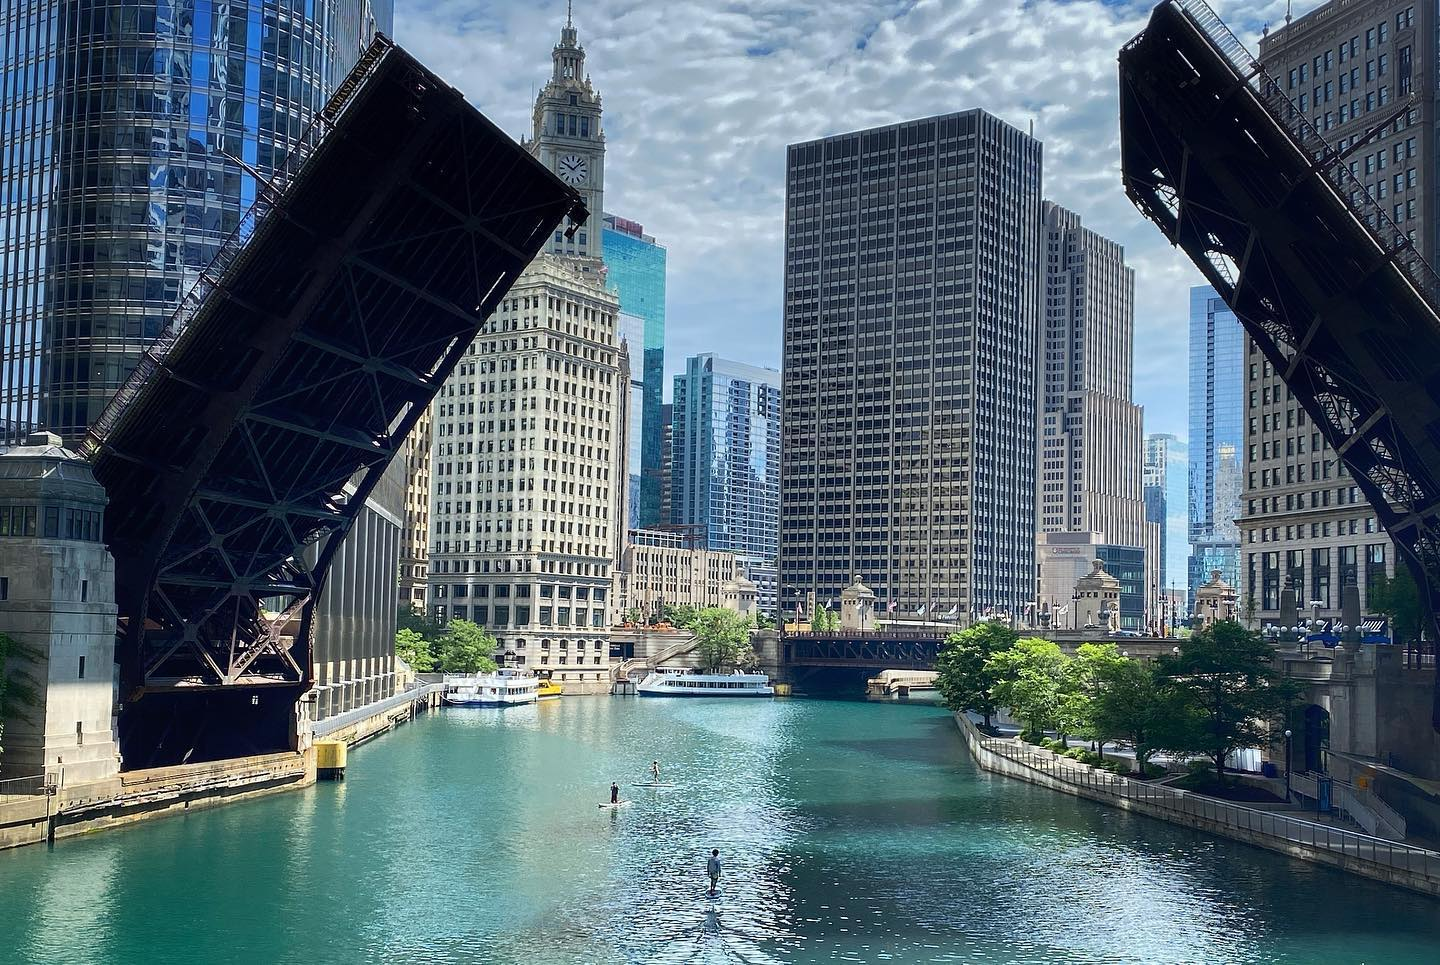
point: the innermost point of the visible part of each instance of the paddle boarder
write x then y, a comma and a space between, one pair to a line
712, 868
614, 793
655, 771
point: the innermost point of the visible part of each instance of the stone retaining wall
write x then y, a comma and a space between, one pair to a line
1376, 858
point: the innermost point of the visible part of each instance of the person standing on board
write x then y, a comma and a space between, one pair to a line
655, 771
712, 868
614, 793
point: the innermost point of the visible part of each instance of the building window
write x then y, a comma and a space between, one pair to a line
81, 674
4, 587
84, 594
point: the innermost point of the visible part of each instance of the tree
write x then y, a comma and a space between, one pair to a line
632, 617
963, 675
1030, 680
763, 622
409, 617
1079, 683
415, 650
1127, 705
723, 638
466, 648
684, 616
1399, 599
1222, 693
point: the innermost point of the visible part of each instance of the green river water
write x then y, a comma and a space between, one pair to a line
849, 832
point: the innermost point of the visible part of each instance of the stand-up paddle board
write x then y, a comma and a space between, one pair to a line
617, 804
652, 784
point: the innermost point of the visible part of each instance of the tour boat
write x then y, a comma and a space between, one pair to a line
504, 688
549, 689
680, 683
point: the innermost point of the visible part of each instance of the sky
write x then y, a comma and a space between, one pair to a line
701, 98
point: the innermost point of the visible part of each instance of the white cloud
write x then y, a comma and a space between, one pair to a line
701, 99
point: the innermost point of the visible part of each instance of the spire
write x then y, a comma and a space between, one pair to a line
568, 55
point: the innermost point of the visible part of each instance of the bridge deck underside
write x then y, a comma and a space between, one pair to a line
868, 652
245, 445
1331, 291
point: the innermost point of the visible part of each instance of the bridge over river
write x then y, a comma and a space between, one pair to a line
917, 649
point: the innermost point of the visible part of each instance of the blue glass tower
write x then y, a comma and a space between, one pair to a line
1217, 408
133, 136
636, 266
725, 475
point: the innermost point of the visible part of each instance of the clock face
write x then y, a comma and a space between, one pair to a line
573, 169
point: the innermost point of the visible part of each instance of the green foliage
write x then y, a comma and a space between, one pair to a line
723, 638
1030, 680
763, 622
632, 616
1247, 610
412, 618
19, 690
824, 620
1126, 704
466, 648
683, 616
963, 676
415, 650
1399, 599
1220, 693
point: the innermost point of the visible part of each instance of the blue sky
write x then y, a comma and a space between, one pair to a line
701, 99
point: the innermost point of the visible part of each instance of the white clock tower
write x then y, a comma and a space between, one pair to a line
568, 140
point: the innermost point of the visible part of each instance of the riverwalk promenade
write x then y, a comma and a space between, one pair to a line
1373, 857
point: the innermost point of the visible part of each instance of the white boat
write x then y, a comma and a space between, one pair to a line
504, 688
684, 683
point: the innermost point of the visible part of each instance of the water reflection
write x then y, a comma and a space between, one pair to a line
848, 832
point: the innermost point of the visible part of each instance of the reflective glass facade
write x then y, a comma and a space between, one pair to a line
1166, 503
725, 452
1217, 408
636, 265
132, 137
1127, 564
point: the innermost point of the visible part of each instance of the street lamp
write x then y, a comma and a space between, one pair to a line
1287, 765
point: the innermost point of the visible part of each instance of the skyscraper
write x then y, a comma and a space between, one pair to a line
132, 140
529, 433
1091, 433
1217, 405
636, 267
912, 265
725, 475
1305, 526
1166, 502
632, 335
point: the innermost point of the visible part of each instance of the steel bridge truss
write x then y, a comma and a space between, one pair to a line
1333, 293
867, 651
245, 444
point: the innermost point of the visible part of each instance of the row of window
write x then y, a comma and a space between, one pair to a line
51, 522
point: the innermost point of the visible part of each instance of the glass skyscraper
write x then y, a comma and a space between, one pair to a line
725, 472
134, 135
1167, 503
1217, 407
636, 266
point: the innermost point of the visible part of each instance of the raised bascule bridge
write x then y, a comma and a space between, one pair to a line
1331, 290
243, 447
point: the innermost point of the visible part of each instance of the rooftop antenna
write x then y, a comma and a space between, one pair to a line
569, 10
1287, 12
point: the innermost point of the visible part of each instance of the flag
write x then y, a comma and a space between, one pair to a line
920, 612
891, 607
954, 611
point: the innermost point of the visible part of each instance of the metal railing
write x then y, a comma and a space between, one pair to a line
330, 725
1336, 841
1331, 164
26, 786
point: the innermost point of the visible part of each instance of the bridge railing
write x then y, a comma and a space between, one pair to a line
1337, 841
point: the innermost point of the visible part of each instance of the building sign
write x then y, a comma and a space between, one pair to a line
1375, 630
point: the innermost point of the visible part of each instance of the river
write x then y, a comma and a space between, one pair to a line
848, 831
